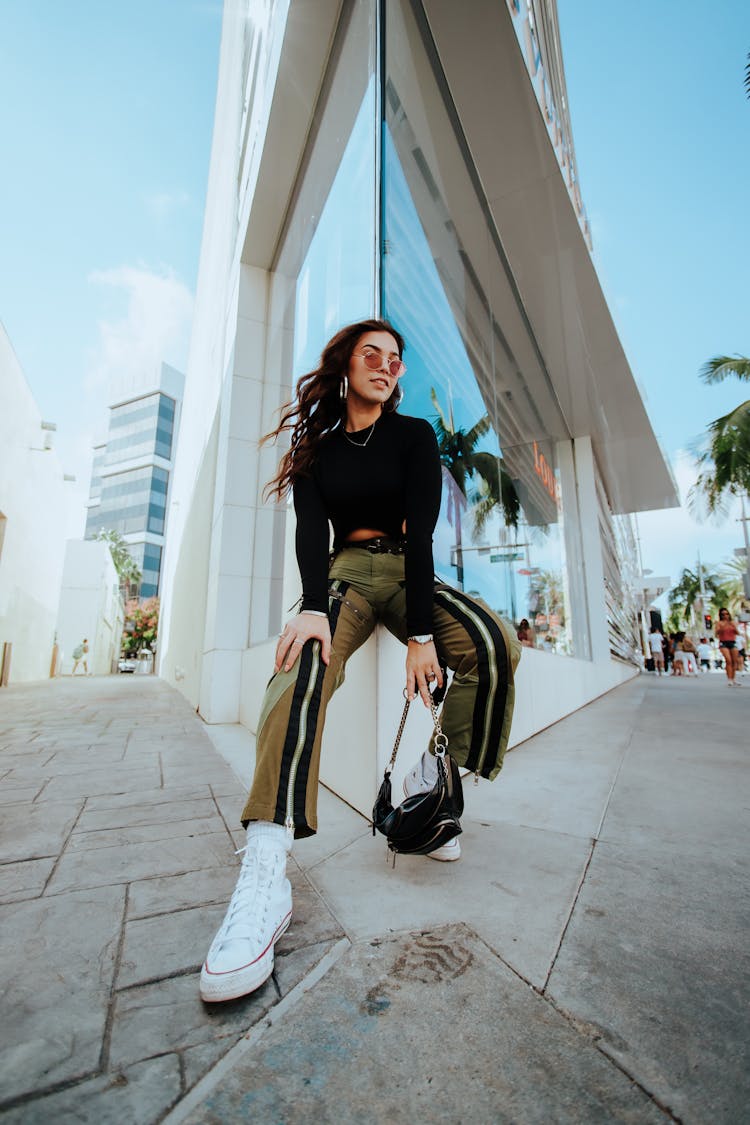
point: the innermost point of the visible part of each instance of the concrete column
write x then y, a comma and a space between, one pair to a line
591, 548
574, 573
233, 517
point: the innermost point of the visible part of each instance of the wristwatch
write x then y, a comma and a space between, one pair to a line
421, 638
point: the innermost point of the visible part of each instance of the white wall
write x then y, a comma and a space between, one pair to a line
33, 500
186, 577
90, 606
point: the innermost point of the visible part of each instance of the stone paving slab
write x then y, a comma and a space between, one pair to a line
21, 795
168, 1015
162, 894
647, 965
136, 1094
35, 831
153, 833
105, 866
136, 797
167, 945
129, 816
430, 1027
25, 879
56, 973
116, 780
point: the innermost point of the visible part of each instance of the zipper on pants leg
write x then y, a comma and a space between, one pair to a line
301, 737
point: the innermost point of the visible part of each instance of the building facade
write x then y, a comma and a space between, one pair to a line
33, 519
131, 470
91, 607
411, 159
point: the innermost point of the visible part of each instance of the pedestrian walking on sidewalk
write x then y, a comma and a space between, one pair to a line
704, 654
656, 644
727, 634
355, 462
80, 656
691, 654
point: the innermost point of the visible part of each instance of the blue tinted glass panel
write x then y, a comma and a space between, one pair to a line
499, 534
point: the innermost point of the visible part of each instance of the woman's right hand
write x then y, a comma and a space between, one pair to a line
302, 628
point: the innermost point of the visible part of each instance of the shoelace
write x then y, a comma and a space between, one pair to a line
251, 898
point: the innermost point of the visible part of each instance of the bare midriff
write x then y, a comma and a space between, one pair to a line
361, 533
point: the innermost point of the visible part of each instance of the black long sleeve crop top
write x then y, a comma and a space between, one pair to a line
395, 477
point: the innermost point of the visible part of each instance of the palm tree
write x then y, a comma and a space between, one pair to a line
725, 463
691, 586
496, 490
125, 565
464, 463
731, 576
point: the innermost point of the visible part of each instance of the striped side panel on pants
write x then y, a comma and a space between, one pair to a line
303, 725
493, 669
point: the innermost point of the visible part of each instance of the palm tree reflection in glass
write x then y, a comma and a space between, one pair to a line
480, 477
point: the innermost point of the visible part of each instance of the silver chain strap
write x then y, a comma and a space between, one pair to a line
440, 739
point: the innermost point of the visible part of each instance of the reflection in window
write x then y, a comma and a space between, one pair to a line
499, 535
334, 286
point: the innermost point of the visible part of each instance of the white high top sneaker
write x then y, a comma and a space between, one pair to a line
241, 955
421, 779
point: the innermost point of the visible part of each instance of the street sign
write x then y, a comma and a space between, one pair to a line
512, 556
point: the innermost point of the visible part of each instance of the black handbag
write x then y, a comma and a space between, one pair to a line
424, 821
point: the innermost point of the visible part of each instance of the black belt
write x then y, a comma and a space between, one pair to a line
383, 545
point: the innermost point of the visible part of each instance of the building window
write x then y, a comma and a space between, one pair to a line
326, 267
471, 364
132, 501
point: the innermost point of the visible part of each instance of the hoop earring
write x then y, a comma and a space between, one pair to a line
343, 388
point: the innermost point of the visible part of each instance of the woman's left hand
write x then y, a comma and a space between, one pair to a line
422, 669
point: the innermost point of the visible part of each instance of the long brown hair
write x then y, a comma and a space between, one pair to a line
317, 408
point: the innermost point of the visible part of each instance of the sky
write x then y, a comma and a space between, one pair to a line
661, 125
106, 114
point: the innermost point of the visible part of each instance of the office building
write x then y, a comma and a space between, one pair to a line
131, 471
413, 159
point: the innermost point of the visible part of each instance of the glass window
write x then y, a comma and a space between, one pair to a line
473, 369
133, 501
324, 275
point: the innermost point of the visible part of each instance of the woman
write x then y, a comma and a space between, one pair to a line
680, 657
690, 655
375, 475
525, 634
727, 634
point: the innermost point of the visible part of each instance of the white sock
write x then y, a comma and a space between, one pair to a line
267, 830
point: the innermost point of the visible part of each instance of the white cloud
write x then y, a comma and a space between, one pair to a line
673, 539
152, 326
154, 329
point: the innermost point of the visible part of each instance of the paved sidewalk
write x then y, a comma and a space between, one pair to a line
586, 961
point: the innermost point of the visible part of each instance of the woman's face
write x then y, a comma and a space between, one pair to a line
368, 383
723, 615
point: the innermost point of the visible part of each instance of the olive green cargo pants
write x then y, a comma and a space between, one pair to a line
479, 647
